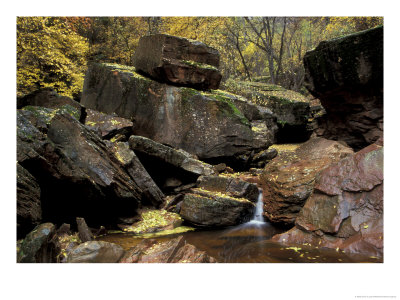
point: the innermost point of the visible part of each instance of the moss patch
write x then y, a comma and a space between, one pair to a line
154, 221
198, 65
232, 110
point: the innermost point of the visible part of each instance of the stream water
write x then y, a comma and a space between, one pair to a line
249, 243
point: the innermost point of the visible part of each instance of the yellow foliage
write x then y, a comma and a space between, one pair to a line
49, 54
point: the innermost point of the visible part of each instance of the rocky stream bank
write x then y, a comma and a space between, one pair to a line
156, 159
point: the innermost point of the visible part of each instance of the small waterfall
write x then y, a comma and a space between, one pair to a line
258, 212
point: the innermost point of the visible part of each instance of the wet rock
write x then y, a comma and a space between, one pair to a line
29, 210
154, 221
177, 158
151, 193
108, 126
346, 74
96, 252
65, 242
260, 159
190, 254
346, 207
213, 209
288, 180
37, 246
178, 61
206, 124
173, 251
84, 232
228, 185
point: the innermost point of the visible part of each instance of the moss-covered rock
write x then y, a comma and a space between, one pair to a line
37, 246
209, 125
154, 221
291, 108
215, 209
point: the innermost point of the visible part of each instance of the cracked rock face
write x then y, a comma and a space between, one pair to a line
345, 210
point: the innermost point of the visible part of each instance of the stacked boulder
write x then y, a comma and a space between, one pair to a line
346, 75
170, 97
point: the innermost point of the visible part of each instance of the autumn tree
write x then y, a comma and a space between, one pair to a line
49, 54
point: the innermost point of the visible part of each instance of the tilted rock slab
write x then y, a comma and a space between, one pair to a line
29, 210
178, 61
77, 173
206, 124
345, 210
346, 74
177, 158
288, 180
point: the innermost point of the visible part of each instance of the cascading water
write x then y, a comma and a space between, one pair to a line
258, 212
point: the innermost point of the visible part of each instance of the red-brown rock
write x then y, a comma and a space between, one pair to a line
345, 210
172, 251
179, 61
288, 180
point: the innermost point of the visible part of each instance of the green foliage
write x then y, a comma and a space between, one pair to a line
49, 54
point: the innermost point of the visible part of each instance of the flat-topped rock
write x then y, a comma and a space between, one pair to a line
214, 209
178, 61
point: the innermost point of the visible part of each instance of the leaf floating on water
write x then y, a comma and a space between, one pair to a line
294, 248
373, 257
337, 249
340, 259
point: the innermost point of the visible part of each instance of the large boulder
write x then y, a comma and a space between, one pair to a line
215, 209
230, 186
206, 124
291, 109
346, 74
345, 210
288, 180
29, 210
38, 247
96, 252
47, 97
178, 61
172, 251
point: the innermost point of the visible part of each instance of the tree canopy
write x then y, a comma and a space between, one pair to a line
54, 51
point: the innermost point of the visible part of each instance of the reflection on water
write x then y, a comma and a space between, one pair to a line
249, 243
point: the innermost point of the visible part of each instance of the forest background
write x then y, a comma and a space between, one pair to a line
54, 51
